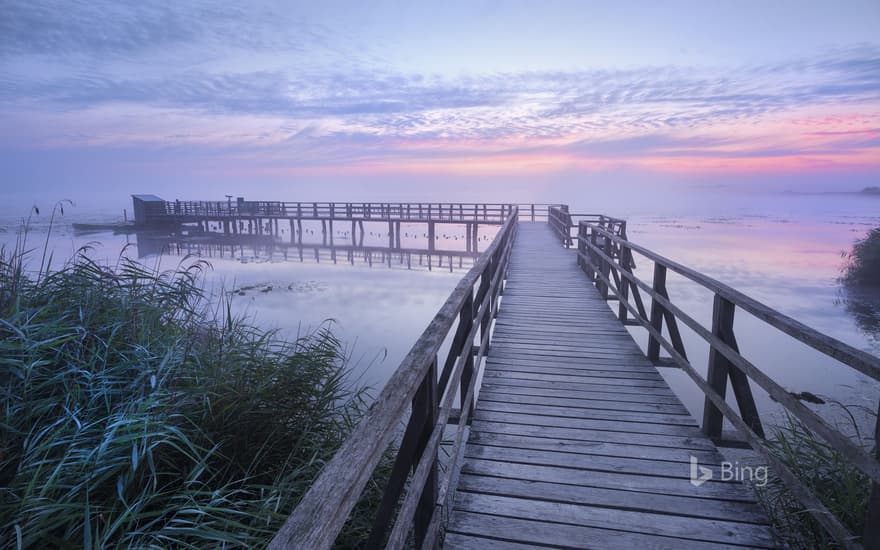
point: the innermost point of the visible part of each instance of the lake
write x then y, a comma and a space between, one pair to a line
783, 249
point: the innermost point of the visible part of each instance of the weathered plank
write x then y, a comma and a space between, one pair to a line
645, 523
472, 529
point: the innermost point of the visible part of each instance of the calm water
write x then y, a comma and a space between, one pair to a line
784, 250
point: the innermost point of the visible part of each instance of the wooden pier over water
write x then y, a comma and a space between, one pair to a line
558, 431
576, 439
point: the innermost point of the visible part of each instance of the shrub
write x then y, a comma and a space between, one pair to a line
862, 266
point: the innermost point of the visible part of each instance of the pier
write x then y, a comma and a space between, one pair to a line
527, 416
241, 217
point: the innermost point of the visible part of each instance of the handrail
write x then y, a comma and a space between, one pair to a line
606, 258
562, 222
420, 391
493, 213
415, 211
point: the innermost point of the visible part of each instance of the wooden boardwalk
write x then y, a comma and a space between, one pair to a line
577, 441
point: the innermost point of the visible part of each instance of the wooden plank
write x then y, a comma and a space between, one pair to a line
598, 447
524, 532
577, 370
609, 480
501, 356
599, 421
587, 434
458, 541
669, 414
624, 465
591, 380
665, 525
745, 512
591, 364
571, 395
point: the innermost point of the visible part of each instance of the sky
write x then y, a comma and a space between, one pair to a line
464, 100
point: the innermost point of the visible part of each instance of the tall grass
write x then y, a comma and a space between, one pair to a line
840, 485
133, 417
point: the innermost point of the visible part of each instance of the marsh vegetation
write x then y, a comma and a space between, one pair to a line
138, 413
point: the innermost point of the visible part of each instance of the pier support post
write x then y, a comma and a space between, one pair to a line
468, 237
431, 246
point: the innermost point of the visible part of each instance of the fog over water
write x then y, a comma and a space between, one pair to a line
781, 248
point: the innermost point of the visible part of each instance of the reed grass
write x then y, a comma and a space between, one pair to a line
840, 485
136, 416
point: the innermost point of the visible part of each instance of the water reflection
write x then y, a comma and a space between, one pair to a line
864, 306
380, 297
262, 248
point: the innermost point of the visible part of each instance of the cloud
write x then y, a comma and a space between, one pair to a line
267, 85
94, 28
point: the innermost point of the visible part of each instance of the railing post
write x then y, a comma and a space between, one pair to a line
427, 395
722, 323
606, 267
570, 222
720, 368
581, 247
466, 322
594, 258
623, 290
659, 287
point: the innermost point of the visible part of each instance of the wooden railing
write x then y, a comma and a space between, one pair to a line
538, 211
449, 212
421, 392
606, 257
468, 212
562, 222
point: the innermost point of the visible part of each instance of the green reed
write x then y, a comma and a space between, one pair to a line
135, 416
838, 484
